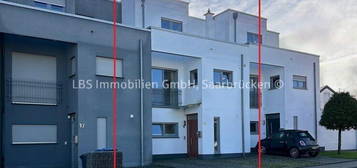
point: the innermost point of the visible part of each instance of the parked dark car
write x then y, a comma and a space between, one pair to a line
291, 142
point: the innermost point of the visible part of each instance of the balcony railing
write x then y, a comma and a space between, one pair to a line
169, 98
34, 92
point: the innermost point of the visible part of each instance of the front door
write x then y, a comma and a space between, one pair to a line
272, 124
192, 136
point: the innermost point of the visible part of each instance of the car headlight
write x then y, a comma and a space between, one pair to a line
302, 143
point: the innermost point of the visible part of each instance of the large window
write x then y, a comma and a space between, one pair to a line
222, 77
164, 88
165, 130
171, 24
34, 79
193, 77
163, 78
252, 38
299, 82
253, 91
104, 67
56, 5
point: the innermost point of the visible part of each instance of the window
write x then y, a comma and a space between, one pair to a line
252, 38
104, 67
165, 130
163, 78
56, 5
101, 133
296, 122
253, 127
299, 82
34, 79
216, 135
34, 134
278, 135
222, 77
193, 77
253, 91
275, 82
171, 24
164, 88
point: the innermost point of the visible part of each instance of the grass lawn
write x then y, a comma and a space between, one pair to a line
344, 154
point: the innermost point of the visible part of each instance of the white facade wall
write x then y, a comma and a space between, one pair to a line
329, 138
289, 102
210, 42
222, 24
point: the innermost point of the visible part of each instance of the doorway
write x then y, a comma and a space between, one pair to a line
272, 123
192, 136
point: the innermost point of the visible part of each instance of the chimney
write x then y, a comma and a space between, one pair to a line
210, 26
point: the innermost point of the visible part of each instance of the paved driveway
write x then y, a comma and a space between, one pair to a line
251, 160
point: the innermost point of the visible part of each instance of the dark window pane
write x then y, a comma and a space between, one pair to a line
177, 26
171, 24
253, 38
40, 4
217, 77
57, 8
193, 77
157, 130
170, 129
165, 24
253, 127
275, 82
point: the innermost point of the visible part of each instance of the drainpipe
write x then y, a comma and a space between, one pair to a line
315, 102
235, 16
141, 106
242, 102
143, 12
2, 94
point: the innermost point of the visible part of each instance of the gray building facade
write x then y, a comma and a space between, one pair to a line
48, 118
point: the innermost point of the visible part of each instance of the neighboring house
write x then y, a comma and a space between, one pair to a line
328, 138
68, 40
47, 120
220, 49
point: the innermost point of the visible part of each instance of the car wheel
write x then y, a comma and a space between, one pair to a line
294, 153
313, 154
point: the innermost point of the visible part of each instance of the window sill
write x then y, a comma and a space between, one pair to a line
300, 88
163, 137
109, 76
39, 104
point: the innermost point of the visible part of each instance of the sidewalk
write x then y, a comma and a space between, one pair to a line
348, 164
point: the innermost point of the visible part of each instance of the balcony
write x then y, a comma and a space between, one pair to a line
34, 92
166, 98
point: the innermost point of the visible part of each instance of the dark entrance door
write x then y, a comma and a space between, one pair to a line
192, 136
36, 132
272, 124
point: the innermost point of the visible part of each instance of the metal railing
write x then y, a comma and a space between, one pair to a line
34, 92
169, 98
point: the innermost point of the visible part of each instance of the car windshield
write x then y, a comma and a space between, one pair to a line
305, 135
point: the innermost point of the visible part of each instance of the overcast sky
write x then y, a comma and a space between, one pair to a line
324, 27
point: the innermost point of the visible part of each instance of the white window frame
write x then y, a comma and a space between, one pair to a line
300, 78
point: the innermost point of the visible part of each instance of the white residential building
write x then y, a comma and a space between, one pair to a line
328, 138
197, 121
